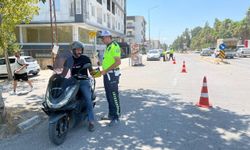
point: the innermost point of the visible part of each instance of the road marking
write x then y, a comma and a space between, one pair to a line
175, 82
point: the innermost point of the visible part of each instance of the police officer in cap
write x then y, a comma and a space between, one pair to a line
111, 75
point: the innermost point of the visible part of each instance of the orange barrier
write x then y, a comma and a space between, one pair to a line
204, 100
183, 68
174, 61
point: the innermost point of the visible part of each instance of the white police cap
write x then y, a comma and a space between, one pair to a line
104, 33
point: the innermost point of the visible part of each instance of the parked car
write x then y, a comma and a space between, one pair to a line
243, 52
229, 53
154, 54
206, 52
197, 51
32, 68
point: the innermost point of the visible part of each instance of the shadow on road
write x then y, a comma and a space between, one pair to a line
154, 120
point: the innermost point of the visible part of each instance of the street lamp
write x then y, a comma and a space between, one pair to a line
149, 24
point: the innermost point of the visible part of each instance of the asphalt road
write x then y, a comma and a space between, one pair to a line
159, 111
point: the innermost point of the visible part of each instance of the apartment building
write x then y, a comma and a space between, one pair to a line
136, 29
75, 20
155, 44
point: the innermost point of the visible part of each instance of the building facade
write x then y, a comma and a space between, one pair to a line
75, 20
155, 44
136, 30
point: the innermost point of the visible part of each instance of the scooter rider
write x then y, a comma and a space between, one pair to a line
75, 64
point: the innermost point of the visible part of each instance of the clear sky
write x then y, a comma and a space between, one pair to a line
169, 18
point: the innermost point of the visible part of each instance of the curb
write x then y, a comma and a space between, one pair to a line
29, 123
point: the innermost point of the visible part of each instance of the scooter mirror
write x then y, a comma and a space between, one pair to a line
86, 66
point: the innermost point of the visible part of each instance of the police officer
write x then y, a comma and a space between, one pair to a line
171, 54
111, 74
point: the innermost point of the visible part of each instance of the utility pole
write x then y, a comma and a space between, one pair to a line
149, 24
53, 28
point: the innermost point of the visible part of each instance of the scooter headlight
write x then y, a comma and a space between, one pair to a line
61, 100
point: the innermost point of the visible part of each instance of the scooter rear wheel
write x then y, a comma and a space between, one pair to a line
58, 131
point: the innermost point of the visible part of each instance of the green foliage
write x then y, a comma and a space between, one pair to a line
14, 12
201, 37
43, 1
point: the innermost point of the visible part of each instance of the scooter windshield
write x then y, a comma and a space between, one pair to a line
60, 60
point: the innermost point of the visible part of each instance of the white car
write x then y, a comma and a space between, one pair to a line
153, 55
32, 68
243, 52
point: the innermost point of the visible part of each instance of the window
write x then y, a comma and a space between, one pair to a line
29, 59
99, 15
83, 35
104, 17
2, 61
119, 26
113, 23
43, 34
64, 34
108, 5
109, 21
113, 8
99, 1
57, 5
129, 33
72, 7
93, 10
17, 33
78, 7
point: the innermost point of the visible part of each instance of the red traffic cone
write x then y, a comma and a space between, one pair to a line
174, 61
183, 68
204, 102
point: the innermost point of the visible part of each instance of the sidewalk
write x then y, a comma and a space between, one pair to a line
23, 107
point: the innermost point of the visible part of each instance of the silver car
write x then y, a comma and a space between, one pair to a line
243, 52
206, 52
153, 54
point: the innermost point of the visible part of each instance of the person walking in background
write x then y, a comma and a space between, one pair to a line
171, 54
20, 73
111, 75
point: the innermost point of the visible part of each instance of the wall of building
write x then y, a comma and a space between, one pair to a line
64, 11
135, 29
75, 19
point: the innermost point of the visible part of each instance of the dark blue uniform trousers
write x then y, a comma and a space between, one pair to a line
111, 88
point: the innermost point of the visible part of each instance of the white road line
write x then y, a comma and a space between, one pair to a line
175, 82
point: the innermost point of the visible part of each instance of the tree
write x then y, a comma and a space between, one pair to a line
187, 38
207, 36
14, 12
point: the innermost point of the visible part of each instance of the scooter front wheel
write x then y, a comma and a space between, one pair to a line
58, 130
